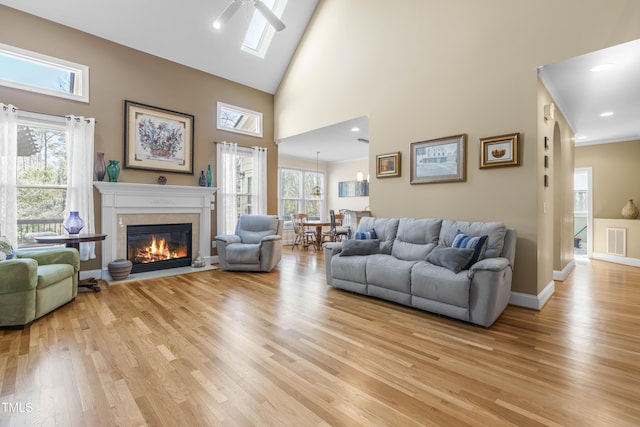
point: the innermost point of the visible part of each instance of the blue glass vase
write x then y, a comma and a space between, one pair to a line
73, 224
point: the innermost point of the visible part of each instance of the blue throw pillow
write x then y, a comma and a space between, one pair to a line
366, 235
6, 249
478, 244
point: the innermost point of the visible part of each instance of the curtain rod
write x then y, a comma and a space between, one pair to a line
241, 146
5, 107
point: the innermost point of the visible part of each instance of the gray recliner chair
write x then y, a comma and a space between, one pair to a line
255, 246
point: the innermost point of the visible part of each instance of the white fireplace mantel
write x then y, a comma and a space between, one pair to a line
122, 198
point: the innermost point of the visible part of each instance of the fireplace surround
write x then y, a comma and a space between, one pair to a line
124, 204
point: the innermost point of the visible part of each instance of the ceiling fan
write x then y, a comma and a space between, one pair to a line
264, 10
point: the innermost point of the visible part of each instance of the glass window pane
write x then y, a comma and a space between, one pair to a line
290, 183
239, 120
26, 70
41, 175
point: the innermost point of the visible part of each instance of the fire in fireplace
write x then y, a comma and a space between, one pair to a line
158, 246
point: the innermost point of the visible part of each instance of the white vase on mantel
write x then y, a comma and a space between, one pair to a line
630, 210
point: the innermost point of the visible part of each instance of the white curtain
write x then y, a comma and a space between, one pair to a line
259, 181
227, 155
8, 154
80, 140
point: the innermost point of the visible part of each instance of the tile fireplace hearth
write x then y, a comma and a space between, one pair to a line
128, 204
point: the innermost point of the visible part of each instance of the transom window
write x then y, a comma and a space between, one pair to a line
239, 120
34, 72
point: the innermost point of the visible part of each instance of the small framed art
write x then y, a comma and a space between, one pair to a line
502, 150
388, 165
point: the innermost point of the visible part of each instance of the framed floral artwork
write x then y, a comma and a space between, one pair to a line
156, 139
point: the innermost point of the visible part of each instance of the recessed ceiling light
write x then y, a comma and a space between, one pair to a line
601, 67
355, 129
607, 114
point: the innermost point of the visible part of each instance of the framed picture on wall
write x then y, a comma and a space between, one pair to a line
439, 160
503, 150
388, 165
156, 139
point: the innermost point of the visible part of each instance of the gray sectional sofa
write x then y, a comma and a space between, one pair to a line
411, 262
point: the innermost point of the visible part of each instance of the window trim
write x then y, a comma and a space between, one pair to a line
80, 71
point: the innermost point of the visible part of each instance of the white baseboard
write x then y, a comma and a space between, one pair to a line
634, 262
535, 302
561, 275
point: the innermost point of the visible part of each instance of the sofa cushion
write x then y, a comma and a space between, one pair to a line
360, 247
416, 238
53, 273
388, 272
385, 228
252, 228
494, 230
440, 284
350, 268
453, 259
478, 244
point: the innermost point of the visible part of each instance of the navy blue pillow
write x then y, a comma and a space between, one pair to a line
366, 235
478, 244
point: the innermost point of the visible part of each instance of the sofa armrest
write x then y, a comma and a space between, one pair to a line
271, 237
333, 248
19, 274
50, 256
228, 238
489, 264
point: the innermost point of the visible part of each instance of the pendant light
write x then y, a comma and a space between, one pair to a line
317, 190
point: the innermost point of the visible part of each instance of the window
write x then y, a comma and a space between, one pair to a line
260, 33
244, 182
23, 69
41, 174
296, 194
239, 120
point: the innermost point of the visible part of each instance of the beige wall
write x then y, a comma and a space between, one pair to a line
614, 175
424, 69
118, 73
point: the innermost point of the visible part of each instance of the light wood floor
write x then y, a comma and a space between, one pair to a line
284, 349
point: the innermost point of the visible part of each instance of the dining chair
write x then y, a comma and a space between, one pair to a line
337, 232
304, 237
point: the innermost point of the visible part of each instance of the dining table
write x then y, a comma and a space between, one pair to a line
318, 225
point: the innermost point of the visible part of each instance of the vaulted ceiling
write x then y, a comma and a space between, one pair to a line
182, 32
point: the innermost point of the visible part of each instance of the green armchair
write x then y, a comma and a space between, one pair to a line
35, 283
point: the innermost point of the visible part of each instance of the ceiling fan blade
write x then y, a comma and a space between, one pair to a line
228, 12
275, 22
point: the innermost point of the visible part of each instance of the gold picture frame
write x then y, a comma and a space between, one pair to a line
388, 165
156, 139
499, 151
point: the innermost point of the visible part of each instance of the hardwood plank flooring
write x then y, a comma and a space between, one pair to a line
284, 349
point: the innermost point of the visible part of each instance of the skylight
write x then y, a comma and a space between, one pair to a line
260, 33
